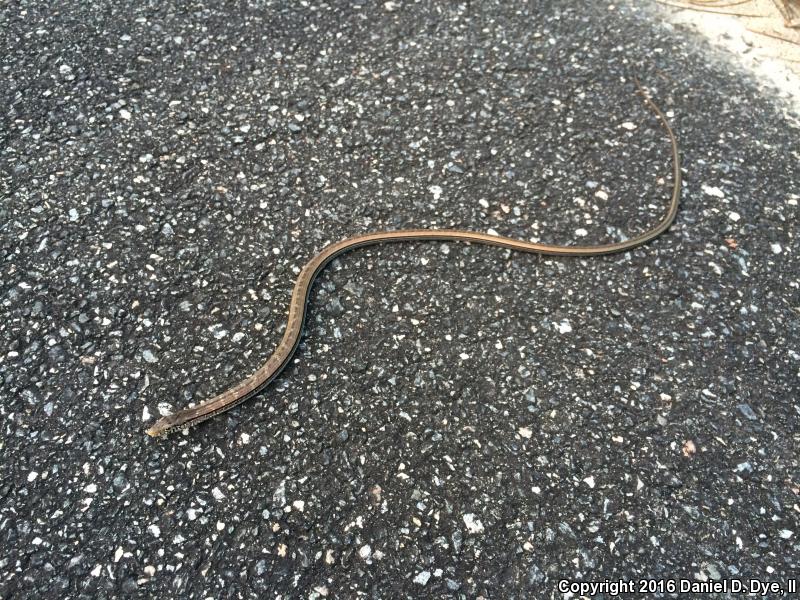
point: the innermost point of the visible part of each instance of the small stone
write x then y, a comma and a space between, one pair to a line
535, 575
564, 327
714, 191
747, 411
375, 491
365, 552
689, 448
149, 356
422, 577
734, 216
218, 331
473, 525
525, 432
279, 495
713, 571
334, 306
457, 539
776, 248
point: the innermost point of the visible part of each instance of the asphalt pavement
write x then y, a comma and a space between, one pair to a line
459, 421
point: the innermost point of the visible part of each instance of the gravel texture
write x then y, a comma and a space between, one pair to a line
459, 421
